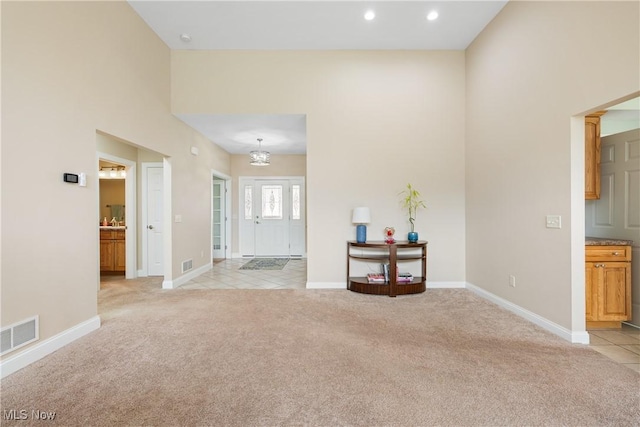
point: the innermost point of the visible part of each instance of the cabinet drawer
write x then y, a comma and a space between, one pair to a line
118, 235
107, 234
608, 253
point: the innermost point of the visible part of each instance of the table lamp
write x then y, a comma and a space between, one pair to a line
361, 216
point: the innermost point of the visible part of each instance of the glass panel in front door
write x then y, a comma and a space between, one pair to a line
272, 201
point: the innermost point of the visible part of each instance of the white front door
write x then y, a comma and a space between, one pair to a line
272, 217
271, 207
218, 214
154, 219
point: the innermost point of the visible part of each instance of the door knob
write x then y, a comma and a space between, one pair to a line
150, 227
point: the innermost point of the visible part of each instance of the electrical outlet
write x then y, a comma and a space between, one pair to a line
512, 280
554, 221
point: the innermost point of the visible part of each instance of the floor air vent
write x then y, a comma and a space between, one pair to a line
18, 334
187, 265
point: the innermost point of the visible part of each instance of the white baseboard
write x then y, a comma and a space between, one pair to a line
446, 285
36, 352
579, 337
576, 337
172, 284
343, 285
326, 285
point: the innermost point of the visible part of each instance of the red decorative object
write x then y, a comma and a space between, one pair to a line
388, 235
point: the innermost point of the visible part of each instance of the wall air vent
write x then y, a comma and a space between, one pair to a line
187, 265
19, 334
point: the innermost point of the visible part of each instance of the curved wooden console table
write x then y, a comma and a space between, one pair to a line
393, 253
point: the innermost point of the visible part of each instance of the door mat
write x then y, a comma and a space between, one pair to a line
265, 264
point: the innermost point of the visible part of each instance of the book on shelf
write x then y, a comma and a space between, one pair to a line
384, 268
404, 277
385, 271
376, 278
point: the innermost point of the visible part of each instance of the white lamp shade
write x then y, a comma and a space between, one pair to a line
361, 216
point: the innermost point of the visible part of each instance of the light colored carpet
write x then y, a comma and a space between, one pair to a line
320, 358
265, 264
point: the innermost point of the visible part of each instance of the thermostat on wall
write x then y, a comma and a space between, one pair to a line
70, 177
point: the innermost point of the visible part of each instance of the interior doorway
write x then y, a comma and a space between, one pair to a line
117, 204
615, 214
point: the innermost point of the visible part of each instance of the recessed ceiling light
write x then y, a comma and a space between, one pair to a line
432, 16
369, 15
185, 37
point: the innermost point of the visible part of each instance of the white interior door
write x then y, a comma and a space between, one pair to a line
155, 194
271, 207
218, 226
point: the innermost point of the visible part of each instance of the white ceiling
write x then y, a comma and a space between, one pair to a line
239, 133
305, 25
290, 24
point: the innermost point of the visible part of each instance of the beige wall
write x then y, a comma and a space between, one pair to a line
376, 120
534, 67
281, 165
59, 89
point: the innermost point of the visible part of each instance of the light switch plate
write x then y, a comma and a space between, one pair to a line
554, 221
178, 218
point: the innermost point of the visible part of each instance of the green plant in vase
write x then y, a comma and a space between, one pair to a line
411, 201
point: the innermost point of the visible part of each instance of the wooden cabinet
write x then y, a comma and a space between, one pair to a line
112, 251
608, 286
592, 156
391, 253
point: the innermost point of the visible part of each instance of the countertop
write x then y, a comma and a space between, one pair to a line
109, 227
605, 241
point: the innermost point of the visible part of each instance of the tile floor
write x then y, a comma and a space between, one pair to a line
621, 345
226, 274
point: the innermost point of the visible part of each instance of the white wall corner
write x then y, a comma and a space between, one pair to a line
577, 226
41, 349
577, 337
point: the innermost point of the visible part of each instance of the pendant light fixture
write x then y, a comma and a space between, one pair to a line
259, 157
